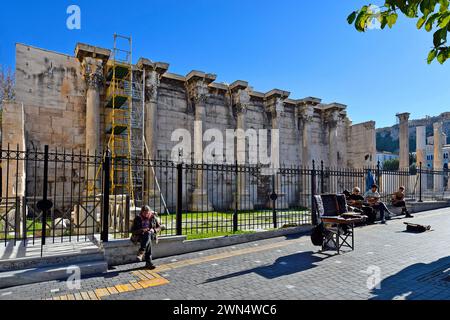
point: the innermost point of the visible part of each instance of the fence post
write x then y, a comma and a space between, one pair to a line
420, 182
127, 215
321, 178
274, 197
106, 192
313, 193
179, 216
378, 175
237, 198
45, 207
24, 218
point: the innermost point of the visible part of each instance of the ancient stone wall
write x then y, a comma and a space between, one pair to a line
362, 145
52, 89
57, 90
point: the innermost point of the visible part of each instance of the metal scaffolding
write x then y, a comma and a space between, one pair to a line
118, 112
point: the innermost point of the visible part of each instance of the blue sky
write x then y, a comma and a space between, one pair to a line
305, 47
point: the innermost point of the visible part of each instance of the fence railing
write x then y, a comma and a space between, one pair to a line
62, 196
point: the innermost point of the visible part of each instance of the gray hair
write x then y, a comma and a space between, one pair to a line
356, 189
146, 208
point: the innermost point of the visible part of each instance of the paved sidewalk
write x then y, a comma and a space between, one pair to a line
409, 266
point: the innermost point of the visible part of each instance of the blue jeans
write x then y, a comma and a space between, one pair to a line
146, 245
380, 206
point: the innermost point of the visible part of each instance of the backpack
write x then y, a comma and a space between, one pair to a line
317, 235
416, 228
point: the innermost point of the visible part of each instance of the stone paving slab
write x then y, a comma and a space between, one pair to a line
54, 247
388, 263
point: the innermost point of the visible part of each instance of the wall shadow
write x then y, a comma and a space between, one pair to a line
413, 280
283, 266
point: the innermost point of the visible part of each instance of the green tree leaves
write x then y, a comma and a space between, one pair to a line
430, 14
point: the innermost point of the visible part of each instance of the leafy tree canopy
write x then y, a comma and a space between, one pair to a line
433, 15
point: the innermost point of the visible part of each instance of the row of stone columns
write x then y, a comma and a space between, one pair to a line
421, 147
92, 61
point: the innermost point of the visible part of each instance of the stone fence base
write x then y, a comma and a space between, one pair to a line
118, 252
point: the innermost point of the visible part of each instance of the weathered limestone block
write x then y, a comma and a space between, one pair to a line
362, 145
404, 140
13, 137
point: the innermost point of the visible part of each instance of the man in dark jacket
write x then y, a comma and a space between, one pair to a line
144, 230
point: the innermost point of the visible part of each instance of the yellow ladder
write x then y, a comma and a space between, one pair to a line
119, 103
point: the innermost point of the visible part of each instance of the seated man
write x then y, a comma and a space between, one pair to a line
145, 228
372, 197
398, 200
356, 200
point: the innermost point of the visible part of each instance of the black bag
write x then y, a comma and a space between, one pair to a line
317, 235
416, 228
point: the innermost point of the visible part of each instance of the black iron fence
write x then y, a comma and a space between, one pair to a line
60, 196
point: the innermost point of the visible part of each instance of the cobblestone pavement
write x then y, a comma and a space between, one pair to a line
409, 266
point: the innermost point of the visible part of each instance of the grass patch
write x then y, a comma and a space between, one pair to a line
198, 236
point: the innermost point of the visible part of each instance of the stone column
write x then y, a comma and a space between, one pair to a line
92, 59
404, 140
241, 102
421, 146
93, 73
438, 157
275, 107
153, 72
421, 142
332, 121
197, 84
14, 175
305, 113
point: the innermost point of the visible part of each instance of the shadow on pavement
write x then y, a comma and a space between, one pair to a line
414, 280
283, 266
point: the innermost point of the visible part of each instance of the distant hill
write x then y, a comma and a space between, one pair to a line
388, 138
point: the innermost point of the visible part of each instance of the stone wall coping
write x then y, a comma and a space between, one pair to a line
277, 93
367, 123
336, 106
160, 67
257, 94
174, 76
290, 102
123, 251
239, 85
45, 50
114, 243
219, 86
196, 75
403, 114
83, 50
309, 101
